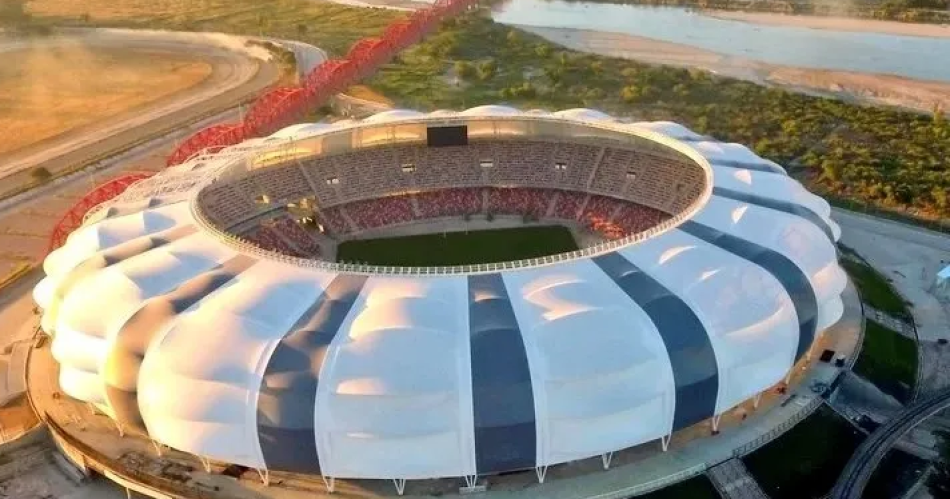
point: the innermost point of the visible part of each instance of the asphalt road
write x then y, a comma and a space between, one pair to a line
869, 454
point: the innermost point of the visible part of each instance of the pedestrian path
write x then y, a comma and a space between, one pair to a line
733, 481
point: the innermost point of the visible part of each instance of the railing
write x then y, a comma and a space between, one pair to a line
652, 485
779, 430
659, 140
100, 462
251, 249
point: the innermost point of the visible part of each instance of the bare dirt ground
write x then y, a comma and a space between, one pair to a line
835, 23
862, 87
46, 91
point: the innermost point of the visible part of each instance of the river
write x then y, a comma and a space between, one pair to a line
915, 57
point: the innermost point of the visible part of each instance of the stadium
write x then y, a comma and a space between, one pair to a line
246, 308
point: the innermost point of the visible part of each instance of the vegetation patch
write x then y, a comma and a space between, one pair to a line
459, 248
881, 156
805, 462
896, 474
889, 361
695, 488
329, 26
875, 289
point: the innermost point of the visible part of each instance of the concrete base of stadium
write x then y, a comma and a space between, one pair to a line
94, 444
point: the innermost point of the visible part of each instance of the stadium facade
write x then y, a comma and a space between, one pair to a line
176, 316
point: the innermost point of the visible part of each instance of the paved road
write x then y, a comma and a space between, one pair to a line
236, 76
869, 454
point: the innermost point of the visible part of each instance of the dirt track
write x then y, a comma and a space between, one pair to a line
234, 77
27, 220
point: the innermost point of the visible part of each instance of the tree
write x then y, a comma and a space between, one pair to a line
629, 94
261, 23
40, 175
487, 69
464, 69
938, 483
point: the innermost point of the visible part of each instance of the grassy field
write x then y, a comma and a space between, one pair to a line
805, 462
329, 26
39, 100
889, 360
694, 488
459, 248
875, 290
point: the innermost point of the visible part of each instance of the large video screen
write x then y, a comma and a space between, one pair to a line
443, 136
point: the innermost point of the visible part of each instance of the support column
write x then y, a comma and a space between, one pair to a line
265, 476
541, 471
756, 400
605, 459
206, 463
400, 484
329, 482
471, 481
715, 423
157, 446
665, 441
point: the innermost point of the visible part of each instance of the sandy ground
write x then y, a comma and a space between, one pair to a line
836, 23
232, 66
45, 91
863, 87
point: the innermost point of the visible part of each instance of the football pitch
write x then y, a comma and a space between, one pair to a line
459, 248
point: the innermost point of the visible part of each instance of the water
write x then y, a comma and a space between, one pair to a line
913, 57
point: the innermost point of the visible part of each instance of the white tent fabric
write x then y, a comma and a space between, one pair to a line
597, 360
256, 360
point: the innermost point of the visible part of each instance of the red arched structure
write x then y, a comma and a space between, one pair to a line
267, 115
283, 106
104, 192
212, 136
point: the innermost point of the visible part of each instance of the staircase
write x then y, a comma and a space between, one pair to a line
733, 481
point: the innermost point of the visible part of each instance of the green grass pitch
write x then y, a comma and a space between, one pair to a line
459, 248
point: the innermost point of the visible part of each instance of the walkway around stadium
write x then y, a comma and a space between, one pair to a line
635, 471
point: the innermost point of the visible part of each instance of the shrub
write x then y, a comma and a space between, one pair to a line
464, 69
40, 175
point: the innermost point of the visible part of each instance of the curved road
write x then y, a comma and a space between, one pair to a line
870, 453
235, 77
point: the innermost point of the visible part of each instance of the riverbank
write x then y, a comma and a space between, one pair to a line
878, 89
849, 24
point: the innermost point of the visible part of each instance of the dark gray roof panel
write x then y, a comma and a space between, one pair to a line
502, 395
774, 204
285, 407
792, 278
691, 354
